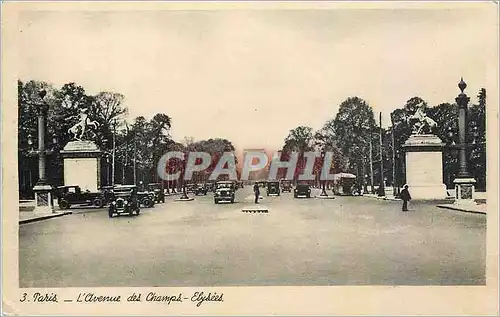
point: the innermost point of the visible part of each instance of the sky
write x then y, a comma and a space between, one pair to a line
252, 75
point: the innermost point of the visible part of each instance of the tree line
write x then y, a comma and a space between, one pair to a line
354, 131
137, 143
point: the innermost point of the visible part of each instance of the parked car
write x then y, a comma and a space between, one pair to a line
302, 190
159, 195
147, 199
73, 195
201, 189
286, 185
210, 186
273, 188
224, 191
190, 188
125, 201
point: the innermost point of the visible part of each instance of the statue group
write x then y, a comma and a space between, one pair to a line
80, 130
420, 122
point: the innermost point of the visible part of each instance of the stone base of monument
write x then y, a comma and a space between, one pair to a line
44, 200
464, 190
428, 192
255, 209
424, 167
82, 165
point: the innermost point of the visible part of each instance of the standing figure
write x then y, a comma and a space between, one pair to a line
405, 196
256, 191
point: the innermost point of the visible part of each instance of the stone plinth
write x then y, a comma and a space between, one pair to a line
82, 165
464, 190
424, 166
44, 199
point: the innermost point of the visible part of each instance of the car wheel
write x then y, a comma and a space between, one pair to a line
232, 201
148, 203
216, 201
138, 211
130, 212
98, 203
110, 213
63, 204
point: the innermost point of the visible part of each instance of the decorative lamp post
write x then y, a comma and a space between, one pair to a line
44, 200
323, 190
464, 183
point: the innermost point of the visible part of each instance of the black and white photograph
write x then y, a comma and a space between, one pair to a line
189, 152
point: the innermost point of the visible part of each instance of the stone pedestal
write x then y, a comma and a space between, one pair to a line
82, 165
464, 190
44, 199
424, 166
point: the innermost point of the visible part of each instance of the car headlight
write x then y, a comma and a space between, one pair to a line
125, 202
113, 203
309, 190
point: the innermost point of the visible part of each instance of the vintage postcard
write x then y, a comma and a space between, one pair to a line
250, 158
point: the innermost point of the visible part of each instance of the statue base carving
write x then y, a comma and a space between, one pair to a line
82, 165
44, 199
424, 167
464, 190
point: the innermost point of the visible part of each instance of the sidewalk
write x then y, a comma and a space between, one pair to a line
472, 208
26, 212
29, 216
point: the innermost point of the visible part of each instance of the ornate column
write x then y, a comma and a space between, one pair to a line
464, 183
44, 200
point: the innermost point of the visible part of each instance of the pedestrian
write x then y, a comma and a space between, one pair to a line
256, 191
405, 197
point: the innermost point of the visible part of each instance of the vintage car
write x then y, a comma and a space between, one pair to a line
344, 184
125, 201
159, 194
147, 199
201, 189
224, 191
273, 188
210, 186
190, 188
286, 185
73, 195
302, 190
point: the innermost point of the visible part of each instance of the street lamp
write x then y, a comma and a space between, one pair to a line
43, 190
323, 190
464, 183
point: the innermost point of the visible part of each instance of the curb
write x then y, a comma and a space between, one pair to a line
34, 219
461, 209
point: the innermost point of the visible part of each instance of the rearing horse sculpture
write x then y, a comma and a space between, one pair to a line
78, 130
423, 124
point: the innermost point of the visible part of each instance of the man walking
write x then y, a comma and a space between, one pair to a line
405, 197
256, 191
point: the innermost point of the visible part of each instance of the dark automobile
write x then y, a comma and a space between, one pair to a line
286, 186
273, 188
159, 194
147, 199
73, 195
302, 190
224, 191
210, 186
201, 189
190, 188
125, 201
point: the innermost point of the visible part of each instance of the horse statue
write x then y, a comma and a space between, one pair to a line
422, 123
78, 130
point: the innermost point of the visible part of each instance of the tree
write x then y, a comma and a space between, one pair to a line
353, 127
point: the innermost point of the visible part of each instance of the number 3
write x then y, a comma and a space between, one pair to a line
24, 297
